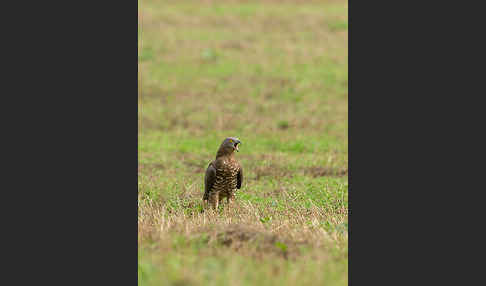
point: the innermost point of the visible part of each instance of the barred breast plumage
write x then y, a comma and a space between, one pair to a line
226, 180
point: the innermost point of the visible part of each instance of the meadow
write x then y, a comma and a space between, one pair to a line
275, 75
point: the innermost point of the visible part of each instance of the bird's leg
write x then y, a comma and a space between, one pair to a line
230, 198
220, 199
214, 200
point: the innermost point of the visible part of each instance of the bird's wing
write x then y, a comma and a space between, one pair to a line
209, 179
239, 178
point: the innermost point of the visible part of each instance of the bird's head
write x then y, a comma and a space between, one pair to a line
228, 146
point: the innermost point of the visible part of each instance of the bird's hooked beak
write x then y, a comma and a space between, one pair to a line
236, 146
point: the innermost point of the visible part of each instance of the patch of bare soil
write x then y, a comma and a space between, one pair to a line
317, 171
271, 170
256, 242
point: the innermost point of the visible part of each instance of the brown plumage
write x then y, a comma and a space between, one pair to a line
224, 175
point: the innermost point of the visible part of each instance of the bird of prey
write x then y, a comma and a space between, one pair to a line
223, 175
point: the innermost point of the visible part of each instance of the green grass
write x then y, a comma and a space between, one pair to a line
275, 75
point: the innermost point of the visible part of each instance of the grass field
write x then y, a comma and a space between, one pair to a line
275, 75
